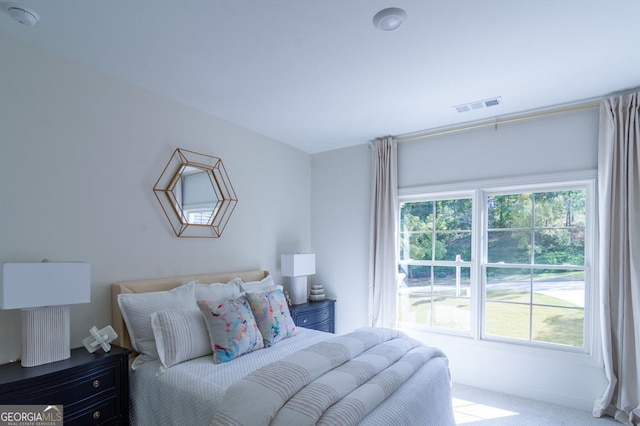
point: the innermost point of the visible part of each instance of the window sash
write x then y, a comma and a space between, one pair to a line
478, 263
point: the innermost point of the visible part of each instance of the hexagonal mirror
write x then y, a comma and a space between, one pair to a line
196, 195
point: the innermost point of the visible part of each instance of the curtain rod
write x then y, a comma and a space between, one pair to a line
493, 122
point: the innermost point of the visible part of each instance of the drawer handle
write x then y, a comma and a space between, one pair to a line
96, 384
96, 414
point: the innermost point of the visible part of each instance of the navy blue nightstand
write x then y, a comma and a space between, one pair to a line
92, 388
315, 315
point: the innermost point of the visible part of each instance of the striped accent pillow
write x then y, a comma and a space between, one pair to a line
136, 309
180, 335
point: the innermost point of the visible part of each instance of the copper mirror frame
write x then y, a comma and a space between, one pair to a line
196, 194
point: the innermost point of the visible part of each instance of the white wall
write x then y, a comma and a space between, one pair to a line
80, 154
557, 143
560, 143
340, 212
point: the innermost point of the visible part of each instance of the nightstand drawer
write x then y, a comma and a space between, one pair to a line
85, 387
326, 326
311, 318
71, 389
105, 411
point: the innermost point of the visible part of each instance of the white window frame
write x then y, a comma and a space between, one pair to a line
454, 195
478, 191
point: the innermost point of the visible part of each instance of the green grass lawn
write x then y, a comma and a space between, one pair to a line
508, 314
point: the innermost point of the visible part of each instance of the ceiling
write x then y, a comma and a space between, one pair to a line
317, 75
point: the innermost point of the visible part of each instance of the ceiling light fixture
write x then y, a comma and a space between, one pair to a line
389, 19
23, 15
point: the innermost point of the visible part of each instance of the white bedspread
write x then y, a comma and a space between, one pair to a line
189, 393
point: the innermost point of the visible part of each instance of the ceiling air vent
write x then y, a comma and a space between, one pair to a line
486, 103
492, 102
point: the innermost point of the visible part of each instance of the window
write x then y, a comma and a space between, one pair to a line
435, 258
498, 264
199, 216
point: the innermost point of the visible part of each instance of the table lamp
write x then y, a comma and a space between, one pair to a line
44, 291
298, 266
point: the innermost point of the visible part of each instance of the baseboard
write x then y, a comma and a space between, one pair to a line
524, 391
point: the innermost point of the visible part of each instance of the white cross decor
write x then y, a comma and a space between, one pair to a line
99, 339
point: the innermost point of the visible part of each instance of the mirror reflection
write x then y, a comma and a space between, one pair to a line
197, 196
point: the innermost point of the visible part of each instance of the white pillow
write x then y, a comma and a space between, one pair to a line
136, 309
263, 286
220, 292
180, 335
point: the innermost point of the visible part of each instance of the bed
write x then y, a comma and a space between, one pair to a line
181, 384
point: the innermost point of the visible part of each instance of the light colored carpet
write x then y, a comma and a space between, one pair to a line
477, 407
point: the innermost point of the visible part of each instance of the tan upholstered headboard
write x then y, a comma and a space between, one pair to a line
163, 284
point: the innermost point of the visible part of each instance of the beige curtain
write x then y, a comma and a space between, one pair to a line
382, 245
619, 218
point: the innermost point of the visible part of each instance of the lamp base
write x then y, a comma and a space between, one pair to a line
298, 293
45, 335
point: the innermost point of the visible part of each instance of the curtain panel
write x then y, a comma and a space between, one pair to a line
382, 244
619, 256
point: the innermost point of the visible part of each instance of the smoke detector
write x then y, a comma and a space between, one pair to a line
389, 19
22, 14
